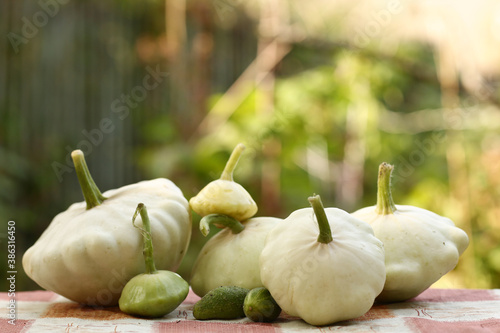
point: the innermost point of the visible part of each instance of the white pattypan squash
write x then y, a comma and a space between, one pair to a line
90, 251
231, 257
420, 246
323, 265
225, 196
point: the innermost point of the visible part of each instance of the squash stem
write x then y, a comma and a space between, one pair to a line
385, 203
325, 233
147, 239
227, 173
220, 221
93, 197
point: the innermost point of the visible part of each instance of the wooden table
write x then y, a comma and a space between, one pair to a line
435, 310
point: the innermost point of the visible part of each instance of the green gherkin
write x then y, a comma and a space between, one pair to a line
154, 293
221, 303
260, 306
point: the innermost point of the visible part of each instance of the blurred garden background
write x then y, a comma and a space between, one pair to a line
320, 92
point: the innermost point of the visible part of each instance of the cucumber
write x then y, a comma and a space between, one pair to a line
260, 306
221, 303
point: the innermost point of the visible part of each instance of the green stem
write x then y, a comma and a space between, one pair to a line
222, 221
385, 204
325, 233
146, 236
227, 173
93, 197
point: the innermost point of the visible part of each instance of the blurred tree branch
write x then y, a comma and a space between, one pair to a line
486, 92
